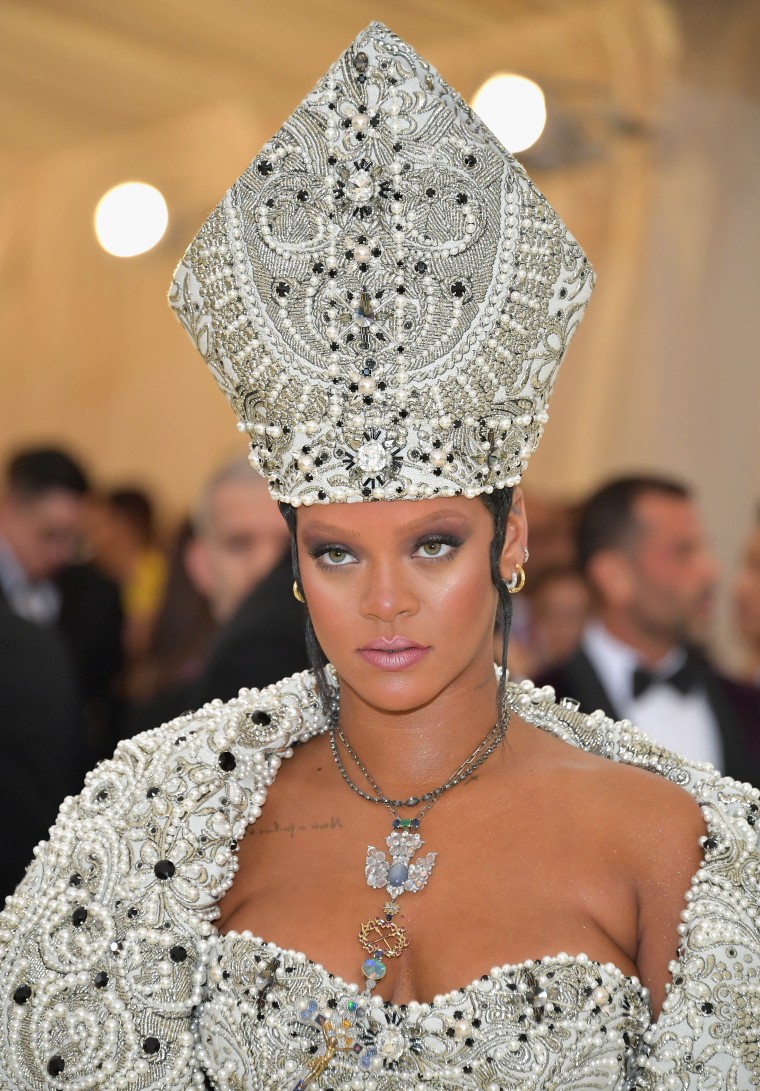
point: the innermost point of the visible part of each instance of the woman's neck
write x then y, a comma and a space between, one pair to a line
413, 751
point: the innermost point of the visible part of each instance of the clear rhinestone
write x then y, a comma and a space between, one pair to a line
371, 457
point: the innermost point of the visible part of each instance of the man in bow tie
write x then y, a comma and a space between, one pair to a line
642, 548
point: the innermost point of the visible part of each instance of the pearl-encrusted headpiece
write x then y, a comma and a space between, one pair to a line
383, 295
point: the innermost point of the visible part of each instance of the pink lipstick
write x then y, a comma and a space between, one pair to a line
396, 653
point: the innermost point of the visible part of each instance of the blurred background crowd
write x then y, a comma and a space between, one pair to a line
143, 567
114, 619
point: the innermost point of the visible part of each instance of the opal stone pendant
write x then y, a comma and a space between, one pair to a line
399, 873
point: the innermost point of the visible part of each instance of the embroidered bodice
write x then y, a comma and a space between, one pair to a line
268, 1016
112, 976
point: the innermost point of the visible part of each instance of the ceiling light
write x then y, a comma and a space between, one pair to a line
130, 219
514, 108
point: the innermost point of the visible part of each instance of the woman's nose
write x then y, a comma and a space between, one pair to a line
388, 593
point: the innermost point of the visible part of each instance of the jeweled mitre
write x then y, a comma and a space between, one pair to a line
383, 295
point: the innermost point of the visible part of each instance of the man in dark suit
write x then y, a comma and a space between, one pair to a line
239, 560
43, 756
261, 643
42, 516
642, 548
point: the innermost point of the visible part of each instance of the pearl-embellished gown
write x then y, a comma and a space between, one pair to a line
113, 976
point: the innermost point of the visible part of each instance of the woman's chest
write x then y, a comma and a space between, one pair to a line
438, 905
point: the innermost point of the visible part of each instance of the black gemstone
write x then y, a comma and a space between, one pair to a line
101, 979
152, 792
56, 1065
151, 1045
79, 916
420, 266
282, 289
710, 844
227, 761
430, 192
76, 879
302, 195
261, 718
102, 795
164, 869
22, 994
458, 289
361, 60
462, 198
178, 954
264, 167
470, 160
132, 912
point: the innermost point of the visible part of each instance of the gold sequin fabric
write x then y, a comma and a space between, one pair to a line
383, 295
112, 975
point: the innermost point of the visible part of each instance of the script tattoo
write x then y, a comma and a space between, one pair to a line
294, 828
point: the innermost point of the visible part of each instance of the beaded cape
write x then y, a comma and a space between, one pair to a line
109, 958
383, 295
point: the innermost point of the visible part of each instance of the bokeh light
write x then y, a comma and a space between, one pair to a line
130, 219
514, 108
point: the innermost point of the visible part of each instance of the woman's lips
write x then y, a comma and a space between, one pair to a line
396, 654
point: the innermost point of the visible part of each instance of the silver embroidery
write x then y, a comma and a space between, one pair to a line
107, 948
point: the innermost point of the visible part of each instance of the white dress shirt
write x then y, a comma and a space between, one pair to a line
683, 722
37, 602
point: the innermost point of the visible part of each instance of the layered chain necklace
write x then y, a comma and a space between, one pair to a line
382, 937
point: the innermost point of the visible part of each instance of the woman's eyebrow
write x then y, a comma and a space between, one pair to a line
414, 524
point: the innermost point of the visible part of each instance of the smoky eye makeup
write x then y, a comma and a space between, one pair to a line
330, 554
438, 544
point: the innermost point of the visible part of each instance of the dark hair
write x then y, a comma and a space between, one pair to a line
608, 520
499, 503
38, 470
136, 508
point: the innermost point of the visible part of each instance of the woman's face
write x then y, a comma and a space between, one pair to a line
400, 593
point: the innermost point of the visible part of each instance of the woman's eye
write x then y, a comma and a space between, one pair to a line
435, 549
335, 556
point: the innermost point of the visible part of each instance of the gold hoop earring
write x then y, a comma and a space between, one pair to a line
517, 582
296, 592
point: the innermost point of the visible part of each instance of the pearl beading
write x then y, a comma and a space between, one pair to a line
505, 1029
383, 295
104, 947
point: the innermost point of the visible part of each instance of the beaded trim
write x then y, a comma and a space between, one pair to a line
383, 295
102, 947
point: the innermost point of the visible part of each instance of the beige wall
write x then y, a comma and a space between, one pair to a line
664, 374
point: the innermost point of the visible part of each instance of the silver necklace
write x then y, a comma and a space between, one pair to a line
466, 769
382, 937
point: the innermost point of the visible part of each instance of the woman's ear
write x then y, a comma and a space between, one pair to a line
516, 537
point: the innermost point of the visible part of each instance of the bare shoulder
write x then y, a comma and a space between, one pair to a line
658, 819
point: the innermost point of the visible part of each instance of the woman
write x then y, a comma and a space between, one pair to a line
199, 913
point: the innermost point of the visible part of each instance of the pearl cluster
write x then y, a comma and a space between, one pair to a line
383, 295
109, 971
504, 1030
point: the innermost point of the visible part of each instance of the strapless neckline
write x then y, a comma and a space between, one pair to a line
607, 971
